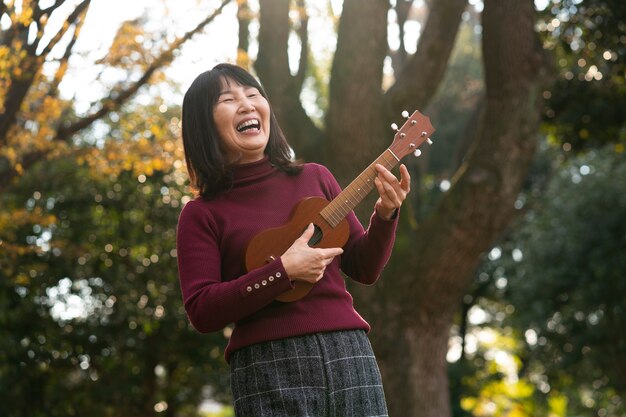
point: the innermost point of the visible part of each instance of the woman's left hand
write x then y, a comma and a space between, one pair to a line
392, 192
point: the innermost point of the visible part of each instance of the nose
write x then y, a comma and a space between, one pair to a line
246, 105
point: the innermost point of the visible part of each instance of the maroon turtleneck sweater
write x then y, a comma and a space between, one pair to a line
211, 240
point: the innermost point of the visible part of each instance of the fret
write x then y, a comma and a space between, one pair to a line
363, 186
357, 190
389, 164
326, 216
330, 214
344, 206
351, 191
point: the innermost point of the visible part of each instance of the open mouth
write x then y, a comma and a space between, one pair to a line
249, 124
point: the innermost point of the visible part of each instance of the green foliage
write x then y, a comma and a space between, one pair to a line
557, 280
562, 271
91, 319
224, 412
585, 107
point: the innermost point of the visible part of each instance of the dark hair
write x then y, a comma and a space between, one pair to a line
209, 171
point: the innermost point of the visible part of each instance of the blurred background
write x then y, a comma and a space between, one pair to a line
506, 292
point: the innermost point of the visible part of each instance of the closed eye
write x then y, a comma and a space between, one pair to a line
252, 92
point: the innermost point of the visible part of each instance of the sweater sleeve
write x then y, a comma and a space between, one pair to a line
367, 251
211, 303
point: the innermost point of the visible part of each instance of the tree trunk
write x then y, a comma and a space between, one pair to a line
353, 121
411, 309
476, 210
283, 88
15, 96
419, 80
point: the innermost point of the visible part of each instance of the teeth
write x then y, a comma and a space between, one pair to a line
248, 123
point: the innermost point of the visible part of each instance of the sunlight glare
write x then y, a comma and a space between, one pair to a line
531, 337
477, 315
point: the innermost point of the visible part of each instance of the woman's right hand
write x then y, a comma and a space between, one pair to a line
304, 263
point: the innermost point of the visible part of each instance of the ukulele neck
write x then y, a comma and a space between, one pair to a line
357, 190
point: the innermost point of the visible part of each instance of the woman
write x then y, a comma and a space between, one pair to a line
310, 357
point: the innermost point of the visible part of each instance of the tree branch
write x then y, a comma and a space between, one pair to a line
356, 84
272, 62
63, 62
106, 105
48, 10
272, 66
30, 67
76, 15
111, 103
494, 169
38, 12
244, 17
417, 82
402, 12
303, 34
7, 35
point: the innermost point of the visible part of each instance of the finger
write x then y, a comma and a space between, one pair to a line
385, 174
405, 178
389, 191
387, 178
380, 187
331, 252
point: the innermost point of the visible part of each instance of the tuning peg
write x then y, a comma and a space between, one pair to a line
405, 114
430, 142
417, 153
394, 127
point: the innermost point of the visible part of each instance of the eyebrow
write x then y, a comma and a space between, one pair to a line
228, 91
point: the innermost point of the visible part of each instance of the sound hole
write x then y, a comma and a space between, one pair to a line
317, 236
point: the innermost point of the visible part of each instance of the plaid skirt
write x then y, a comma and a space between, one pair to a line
330, 374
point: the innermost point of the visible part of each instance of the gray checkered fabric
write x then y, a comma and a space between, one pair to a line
321, 375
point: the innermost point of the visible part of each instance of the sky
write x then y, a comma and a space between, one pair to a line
177, 16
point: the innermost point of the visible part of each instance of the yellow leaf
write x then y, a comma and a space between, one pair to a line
22, 279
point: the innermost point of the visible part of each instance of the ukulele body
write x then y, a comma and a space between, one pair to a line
272, 243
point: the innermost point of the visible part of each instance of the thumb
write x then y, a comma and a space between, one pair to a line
308, 232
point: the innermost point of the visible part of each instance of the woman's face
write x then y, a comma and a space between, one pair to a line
242, 118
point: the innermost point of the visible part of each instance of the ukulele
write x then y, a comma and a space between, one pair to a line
329, 217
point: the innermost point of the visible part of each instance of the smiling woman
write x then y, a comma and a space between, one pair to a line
214, 107
307, 357
242, 118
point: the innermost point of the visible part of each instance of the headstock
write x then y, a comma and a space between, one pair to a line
415, 131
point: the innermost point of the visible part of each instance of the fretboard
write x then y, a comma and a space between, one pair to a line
358, 189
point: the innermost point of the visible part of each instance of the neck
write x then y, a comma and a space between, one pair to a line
357, 190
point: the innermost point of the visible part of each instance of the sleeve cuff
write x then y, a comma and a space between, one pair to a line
270, 279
